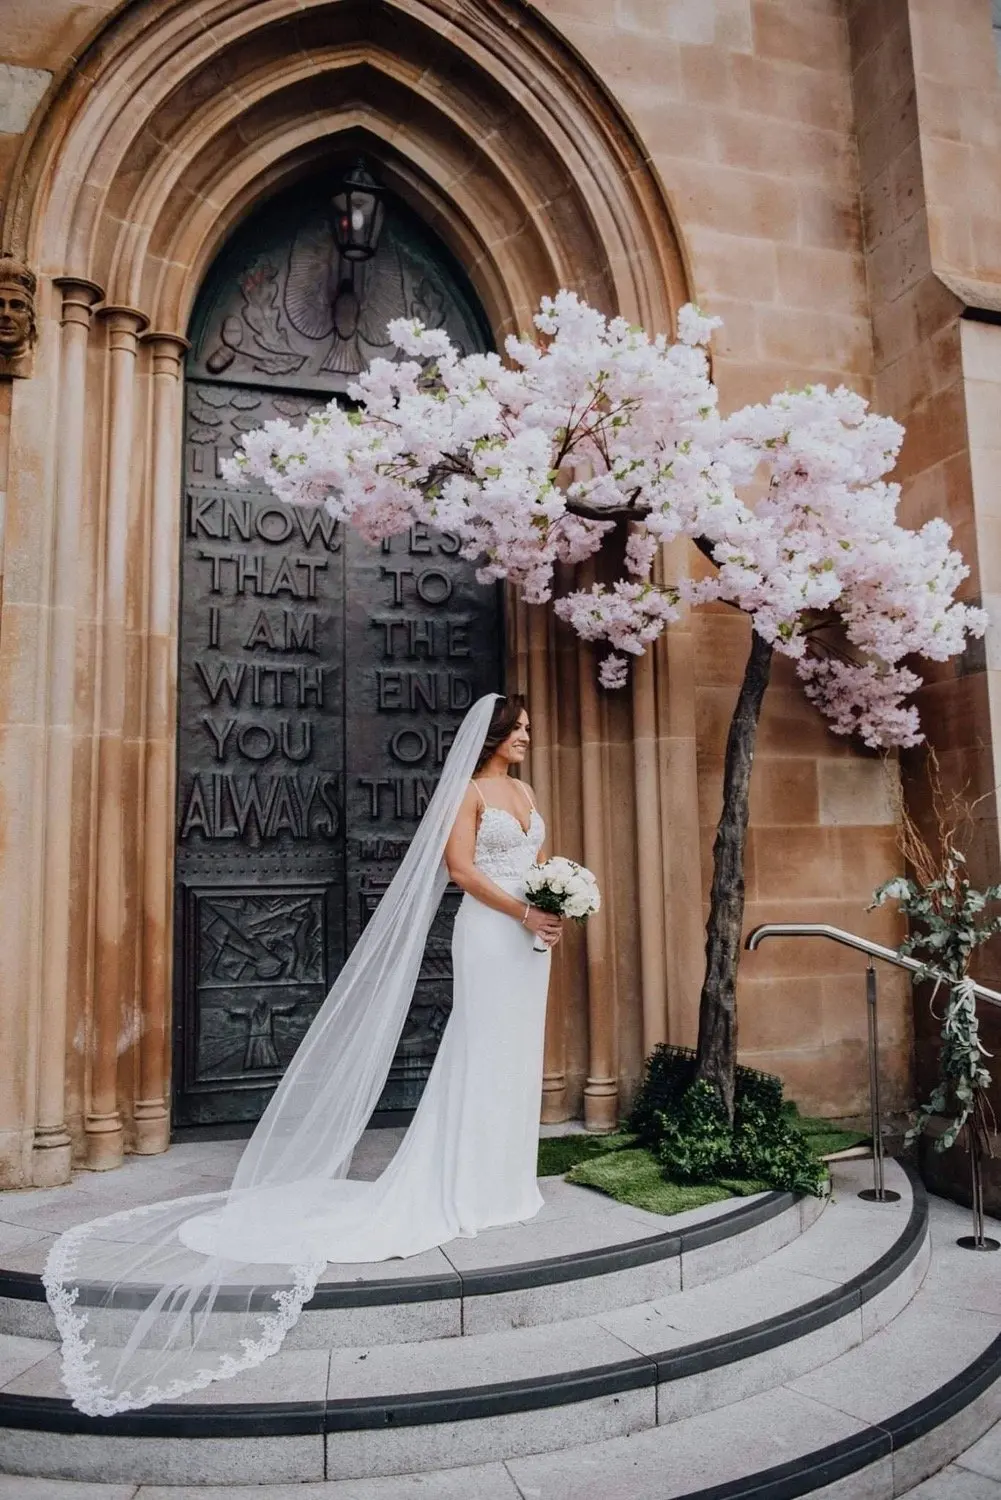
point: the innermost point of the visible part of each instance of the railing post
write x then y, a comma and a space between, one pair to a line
977, 1240
878, 1193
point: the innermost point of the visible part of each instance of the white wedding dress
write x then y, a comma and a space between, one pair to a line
162, 1299
468, 1160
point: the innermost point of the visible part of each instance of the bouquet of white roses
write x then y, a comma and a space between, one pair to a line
564, 888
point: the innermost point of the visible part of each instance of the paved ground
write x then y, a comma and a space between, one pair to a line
574, 1218
30, 1219
976, 1475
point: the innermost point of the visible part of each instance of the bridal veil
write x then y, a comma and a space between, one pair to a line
160, 1300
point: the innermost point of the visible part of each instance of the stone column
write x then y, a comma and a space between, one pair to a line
151, 1111
601, 1091
554, 1082
681, 879
649, 859
103, 1125
52, 1147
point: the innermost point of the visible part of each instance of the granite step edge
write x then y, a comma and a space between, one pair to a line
486, 1400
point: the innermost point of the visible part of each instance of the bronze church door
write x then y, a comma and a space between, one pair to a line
320, 680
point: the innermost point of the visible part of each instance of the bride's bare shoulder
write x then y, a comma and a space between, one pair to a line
472, 799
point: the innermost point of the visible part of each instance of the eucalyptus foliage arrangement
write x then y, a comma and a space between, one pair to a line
949, 920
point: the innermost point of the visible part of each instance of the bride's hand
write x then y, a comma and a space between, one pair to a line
544, 925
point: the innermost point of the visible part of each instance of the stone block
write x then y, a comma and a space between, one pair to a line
733, 201
729, 265
714, 1448
736, 1381
18, 1355
706, 75
710, 1262
804, 861
780, 1012
981, 351
882, 1309
984, 1457
691, 21
353, 1455
926, 1455
810, 278
483, 1482
395, 1323
956, 1483
21, 1487
21, 89
800, 34
801, 96
475, 1361
954, 45
854, 793
924, 1347
716, 1308
29, 1320
179, 1461
571, 1299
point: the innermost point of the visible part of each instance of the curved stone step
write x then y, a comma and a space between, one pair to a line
377, 1410
583, 1253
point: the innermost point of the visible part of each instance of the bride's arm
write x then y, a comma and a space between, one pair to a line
460, 855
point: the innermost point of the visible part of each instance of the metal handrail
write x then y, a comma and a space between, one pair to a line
862, 945
879, 1192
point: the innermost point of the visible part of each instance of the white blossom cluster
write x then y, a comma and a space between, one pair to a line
522, 460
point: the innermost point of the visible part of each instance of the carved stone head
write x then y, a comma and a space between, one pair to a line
17, 316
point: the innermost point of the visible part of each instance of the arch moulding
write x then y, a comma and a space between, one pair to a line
175, 123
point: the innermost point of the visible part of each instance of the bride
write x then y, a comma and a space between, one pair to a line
162, 1299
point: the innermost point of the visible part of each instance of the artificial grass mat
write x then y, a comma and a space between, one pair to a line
825, 1138
634, 1176
615, 1166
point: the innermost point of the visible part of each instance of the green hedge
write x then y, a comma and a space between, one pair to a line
683, 1122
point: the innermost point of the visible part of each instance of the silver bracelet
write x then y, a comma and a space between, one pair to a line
528, 908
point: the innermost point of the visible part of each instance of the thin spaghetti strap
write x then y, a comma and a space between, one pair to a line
528, 794
479, 794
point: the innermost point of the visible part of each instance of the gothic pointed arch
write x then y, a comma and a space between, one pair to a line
171, 129
166, 133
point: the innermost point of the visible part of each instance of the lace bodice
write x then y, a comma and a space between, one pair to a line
504, 851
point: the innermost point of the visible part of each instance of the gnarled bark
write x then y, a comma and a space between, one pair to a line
717, 1047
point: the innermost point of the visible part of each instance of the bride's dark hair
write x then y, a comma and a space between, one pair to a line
507, 712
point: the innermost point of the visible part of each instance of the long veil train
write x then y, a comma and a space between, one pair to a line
156, 1301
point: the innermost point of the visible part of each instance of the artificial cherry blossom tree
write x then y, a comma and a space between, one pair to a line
593, 427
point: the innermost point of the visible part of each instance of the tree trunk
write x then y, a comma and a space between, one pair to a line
717, 1050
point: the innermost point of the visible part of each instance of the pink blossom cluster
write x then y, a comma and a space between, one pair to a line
863, 699
592, 415
804, 535
522, 459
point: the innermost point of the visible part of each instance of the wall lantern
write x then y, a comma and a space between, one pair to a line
358, 212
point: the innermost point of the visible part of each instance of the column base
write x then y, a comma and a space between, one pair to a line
152, 1127
105, 1142
601, 1106
554, 1099
51, 1157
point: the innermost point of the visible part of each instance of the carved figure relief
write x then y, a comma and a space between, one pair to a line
292, 310
18, 330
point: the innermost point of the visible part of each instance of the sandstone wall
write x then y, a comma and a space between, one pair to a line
819, 160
